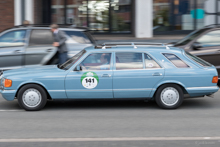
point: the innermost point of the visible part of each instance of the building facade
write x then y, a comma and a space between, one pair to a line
142, 18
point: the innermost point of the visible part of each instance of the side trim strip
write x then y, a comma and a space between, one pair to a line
8, 90
87, 90
57, 90
202, 88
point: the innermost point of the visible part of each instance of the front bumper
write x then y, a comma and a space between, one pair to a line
8, 95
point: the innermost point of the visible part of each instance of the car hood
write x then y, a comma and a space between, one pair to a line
32, 70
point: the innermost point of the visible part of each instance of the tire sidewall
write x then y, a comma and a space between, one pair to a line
158, 96
43, 97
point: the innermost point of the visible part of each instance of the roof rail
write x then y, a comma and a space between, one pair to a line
134, 44
212, 25
48, 25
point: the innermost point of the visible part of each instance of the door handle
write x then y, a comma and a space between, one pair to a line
106, 75
157, 74
49, 50
17, 51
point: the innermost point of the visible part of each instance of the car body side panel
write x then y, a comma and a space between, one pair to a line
189, 78
52, 79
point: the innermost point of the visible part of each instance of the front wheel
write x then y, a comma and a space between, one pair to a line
169, 96
32, 97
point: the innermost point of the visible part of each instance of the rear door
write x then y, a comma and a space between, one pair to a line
135, 74
40, 49
12, 44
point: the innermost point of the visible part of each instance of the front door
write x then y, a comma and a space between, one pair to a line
135, 75
12, 46
94, 80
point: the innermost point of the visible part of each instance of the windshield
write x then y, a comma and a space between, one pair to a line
190, 37
72, 60
198, 60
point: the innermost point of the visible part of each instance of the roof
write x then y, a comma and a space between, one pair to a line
44, 26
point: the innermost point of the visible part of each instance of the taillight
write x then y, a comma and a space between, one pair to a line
7, 83
215, 79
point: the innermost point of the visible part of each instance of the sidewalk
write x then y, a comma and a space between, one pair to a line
129, 38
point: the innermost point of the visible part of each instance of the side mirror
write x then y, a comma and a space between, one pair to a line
78, 68
196, 45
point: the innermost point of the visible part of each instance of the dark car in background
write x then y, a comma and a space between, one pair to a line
204, 43
32, 45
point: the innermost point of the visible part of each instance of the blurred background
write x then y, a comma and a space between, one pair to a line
138, 18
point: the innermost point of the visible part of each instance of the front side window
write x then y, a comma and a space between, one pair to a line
41, 37
176, 60
210, 39
126, 61
13, 38
97, 61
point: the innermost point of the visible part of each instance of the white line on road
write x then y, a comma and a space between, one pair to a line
109, 139
9, 110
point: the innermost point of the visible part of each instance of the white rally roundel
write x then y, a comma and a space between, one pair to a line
89, 82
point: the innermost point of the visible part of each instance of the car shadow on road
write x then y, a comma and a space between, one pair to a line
197, 103
194, 103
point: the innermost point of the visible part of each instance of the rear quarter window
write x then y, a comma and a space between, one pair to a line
197, 59
78, 36
176, 60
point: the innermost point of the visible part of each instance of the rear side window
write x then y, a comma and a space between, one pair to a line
41, 37
150, 63
197, 59
126, 61
78, 36
176, 60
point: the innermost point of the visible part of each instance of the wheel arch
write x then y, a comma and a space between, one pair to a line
48, 95
173, 82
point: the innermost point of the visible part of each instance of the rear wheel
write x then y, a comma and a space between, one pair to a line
169, 96
32, 97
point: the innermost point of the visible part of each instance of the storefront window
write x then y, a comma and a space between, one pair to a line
172, 15
121, 16
76, 12
98, 15
161, 12
57, 11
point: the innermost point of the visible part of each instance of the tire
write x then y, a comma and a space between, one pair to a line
169, 96
32, 97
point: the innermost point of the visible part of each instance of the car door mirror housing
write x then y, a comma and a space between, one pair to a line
78, 68
196, 46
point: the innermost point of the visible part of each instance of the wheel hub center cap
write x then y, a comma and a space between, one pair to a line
31, 97
169, 96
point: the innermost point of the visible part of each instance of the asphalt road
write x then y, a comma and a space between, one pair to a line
112, 123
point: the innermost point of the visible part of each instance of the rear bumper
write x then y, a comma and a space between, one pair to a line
8, 95
201, 91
